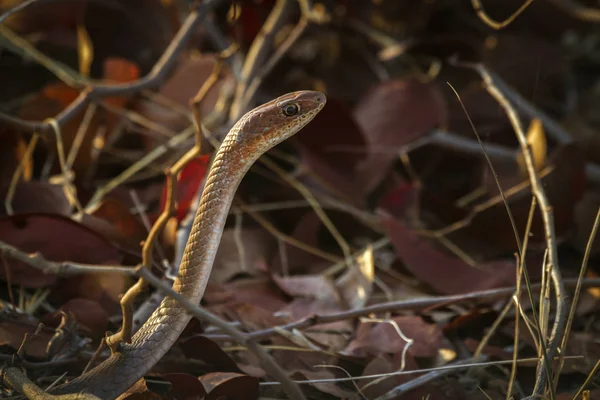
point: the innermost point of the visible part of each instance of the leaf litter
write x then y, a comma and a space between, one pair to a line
378, 245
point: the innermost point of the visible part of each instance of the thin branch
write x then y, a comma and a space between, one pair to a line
261, 47
492, 23
62, 269
588, 14
401, 305
548, 219
404, 388
97, 90
582, 273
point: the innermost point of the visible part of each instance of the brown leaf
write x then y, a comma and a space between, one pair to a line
12, 334
119, 216
299, 260
375, 338
316, 287
185, 386
104, 289
326, 387
253, 318
89, 314
230, 385
242, 251
446, 273
201, 348
260, 293
57, 239
391, 116
180, 88
330, 148
139, 391
329, 335
39, 197
536, 67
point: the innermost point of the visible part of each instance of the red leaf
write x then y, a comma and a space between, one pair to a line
391, 116
447, 274
57, 239
190, 179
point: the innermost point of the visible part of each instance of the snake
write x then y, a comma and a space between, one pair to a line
252, 135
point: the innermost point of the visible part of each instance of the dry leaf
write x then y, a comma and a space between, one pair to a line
537, 142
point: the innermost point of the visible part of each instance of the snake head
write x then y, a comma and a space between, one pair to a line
271, 123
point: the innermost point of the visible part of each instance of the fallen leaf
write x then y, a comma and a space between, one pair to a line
381, 337
102, 288
257, 292
57, 239
356, 283
446, 273
537, 142
316, 287
39, 197
242, 251
229, 385
201, 348
331, 147
251, 317
185, 386
392, 115
88, 313
12, 334
119, 216
326, 387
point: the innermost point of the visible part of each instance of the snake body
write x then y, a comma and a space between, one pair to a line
255, 133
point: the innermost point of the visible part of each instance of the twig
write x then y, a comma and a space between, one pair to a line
492, 23
64, 268
426, 378
307, 194
394, 306
138, 166
19, 7
577, 10
548, 219
18, 173
588, 380
254, 85
453, 367
582, 272
267, 362
261, 46
97, 90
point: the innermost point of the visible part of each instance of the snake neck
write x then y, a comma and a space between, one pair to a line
121, 370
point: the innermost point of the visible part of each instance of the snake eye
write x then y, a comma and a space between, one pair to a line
291, 110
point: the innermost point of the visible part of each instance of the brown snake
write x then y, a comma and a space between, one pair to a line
255, 133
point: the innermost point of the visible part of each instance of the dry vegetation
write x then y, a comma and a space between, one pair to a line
430, 235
